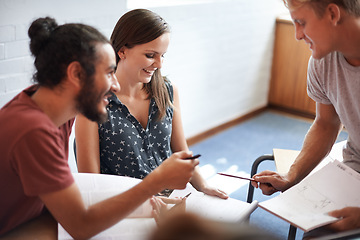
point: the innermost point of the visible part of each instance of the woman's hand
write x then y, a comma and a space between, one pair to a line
212, 191
163, 207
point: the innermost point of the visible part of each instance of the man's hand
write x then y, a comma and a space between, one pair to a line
271, 182
349, 219
175, 172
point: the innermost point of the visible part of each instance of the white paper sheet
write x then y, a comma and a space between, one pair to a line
230, 210
97, 187
127, 229
306, 204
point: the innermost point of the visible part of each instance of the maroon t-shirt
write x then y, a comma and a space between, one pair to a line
33, 159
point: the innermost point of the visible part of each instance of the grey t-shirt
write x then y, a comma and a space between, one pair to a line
332, 80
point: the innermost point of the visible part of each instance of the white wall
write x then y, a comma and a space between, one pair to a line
219, 56
16, 64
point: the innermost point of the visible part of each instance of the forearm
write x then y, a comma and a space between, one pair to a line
197, 181
200, 184
67, 206
87, 145
173, 173
82, 223
107, 213
317, 144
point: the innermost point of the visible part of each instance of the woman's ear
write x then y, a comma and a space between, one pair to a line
75, 73
334, 13
122, 53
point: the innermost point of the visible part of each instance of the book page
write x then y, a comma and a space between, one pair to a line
306, 204
229, 210
95, 188
98, 187
129, 228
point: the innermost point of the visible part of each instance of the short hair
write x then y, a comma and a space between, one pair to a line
55, 47
319, 6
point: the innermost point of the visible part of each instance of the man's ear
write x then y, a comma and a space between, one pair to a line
75, 73
334, 13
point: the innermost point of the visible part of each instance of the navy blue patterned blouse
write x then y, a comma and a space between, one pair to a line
126, 148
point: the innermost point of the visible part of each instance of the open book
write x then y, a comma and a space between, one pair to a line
306, 204
97, 187
214, 208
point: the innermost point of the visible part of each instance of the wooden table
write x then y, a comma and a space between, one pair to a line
284, 158
45, 226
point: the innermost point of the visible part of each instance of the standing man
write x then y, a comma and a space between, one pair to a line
332, 30
75, 66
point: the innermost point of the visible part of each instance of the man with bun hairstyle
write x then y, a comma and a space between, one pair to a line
75, 67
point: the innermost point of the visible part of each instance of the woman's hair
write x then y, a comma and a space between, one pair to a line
319, 6
55, 47
137, 27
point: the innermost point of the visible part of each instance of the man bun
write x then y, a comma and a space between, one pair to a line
40, 32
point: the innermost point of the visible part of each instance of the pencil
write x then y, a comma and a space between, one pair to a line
244, 178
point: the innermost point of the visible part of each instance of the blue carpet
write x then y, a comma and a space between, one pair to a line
240, 145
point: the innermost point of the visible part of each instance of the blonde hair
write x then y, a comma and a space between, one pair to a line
319, 6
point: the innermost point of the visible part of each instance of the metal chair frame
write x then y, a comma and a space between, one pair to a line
254, 169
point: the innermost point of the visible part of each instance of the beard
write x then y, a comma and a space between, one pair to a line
88, 100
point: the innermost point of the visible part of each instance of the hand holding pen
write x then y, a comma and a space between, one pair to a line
270, 182
193, 157
175, 172
244, 178
186, 196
